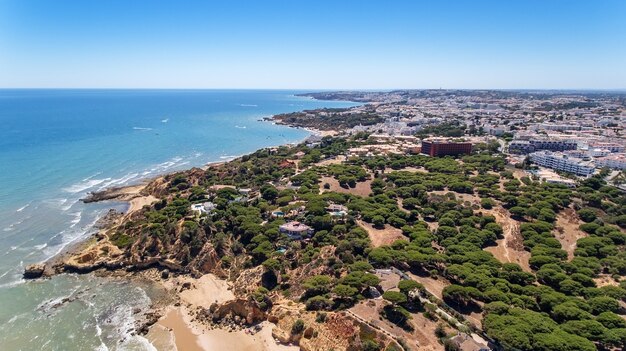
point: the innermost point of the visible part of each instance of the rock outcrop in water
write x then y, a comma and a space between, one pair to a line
34, 271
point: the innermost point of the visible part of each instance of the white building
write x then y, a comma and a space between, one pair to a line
561, 162
206, 207
612, 147
613, 162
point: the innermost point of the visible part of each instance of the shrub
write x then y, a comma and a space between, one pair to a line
297, 327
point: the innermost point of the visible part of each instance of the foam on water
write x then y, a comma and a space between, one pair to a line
70, 205
56, 202
76, 220
40, 247
84, 185
23, 207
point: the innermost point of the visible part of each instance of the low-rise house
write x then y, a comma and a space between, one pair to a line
245, 191
552, 177
206, 207
296, 230
465, 342
337, 211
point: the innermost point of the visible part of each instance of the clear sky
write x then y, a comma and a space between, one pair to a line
313, 44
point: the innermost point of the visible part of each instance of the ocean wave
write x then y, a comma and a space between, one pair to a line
23, 207
164, 166
5, 273
248, 105
228, 157
12, 283
122, 319
92, 176
57, 202
118, 181
41, 247
67, 207
71, 234
142, 128
76, 220
12, 226
165, 120
241, 127
84, 185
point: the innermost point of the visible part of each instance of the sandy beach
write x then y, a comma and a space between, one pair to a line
138, 203
178, 329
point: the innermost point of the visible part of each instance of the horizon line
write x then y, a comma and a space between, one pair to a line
319, 89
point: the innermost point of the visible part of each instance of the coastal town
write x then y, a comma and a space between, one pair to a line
421, 220
569, 133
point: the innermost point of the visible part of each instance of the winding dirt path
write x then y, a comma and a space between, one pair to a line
510, 249
567, 231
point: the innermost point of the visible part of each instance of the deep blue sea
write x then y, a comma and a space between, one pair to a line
57, 145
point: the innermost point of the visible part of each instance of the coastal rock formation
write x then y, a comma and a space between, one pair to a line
34, 271
208, 261
107, 194
244, 311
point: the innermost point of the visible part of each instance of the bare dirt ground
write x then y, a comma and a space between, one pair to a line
333, 161
432, 226
406, 169
221, 186
380, 237
388, 279
433, 286
511, 248
138, 203
421, 338
436, 286
472, 198
604, 280
518, 173
401, 206
361, 189
567, 231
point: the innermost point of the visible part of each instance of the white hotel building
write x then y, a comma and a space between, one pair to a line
612, 161
561, 162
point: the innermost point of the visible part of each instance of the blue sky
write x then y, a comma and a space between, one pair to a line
503, 44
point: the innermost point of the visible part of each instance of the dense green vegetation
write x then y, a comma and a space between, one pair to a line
443, 211
330, 118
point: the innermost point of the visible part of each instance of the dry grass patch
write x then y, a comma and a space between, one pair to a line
381, 237
567, 231
432, 285
510, 249
421, 338
363, 189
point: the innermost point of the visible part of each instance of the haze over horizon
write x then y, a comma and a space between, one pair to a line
323, 45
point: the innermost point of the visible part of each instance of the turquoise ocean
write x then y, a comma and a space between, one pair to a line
58, 145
